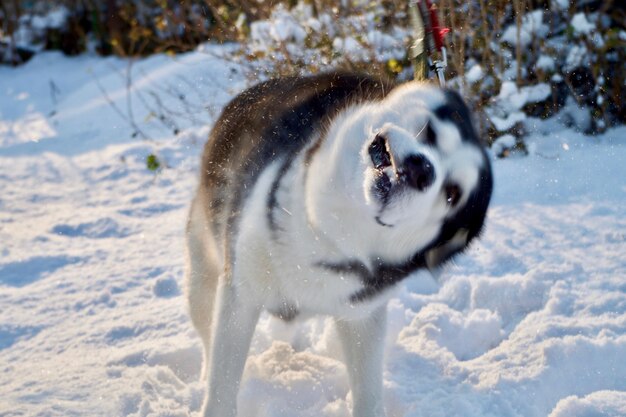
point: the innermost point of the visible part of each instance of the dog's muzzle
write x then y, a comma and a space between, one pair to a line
416, 171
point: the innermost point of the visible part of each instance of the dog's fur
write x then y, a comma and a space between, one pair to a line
317, 195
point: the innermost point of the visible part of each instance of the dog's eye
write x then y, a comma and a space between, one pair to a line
453, 194
431, 136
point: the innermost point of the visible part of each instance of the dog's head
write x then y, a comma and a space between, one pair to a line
401, 179
426, 176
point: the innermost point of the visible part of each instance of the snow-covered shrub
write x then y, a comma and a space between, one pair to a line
553, 57
126, 28
310, 39
50, 26
511, 60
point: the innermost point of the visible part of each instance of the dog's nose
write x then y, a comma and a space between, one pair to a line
418, 172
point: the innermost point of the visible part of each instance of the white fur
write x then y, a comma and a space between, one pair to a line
330, 217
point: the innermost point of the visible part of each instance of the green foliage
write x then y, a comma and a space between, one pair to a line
153, 163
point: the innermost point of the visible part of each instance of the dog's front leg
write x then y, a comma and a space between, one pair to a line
236, 316
363, 346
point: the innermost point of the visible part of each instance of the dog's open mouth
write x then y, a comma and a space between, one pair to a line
381, 159
379, 153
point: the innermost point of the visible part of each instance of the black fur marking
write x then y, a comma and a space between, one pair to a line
308, 156
382, 223
382, 277
431, 136
457, 112
471, 216
312, 151
272, 201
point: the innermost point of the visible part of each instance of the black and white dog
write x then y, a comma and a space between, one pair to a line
318, 195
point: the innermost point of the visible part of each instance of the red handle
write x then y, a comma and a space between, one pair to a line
438, 32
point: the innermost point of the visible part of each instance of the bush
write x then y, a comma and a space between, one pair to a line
126, 28
509, 59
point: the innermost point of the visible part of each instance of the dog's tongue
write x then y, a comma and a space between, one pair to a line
378, 152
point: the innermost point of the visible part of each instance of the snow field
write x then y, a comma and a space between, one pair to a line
530, 322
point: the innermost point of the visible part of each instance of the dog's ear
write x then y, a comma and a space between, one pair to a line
442, 252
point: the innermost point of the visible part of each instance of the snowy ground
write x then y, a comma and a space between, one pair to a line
530, 322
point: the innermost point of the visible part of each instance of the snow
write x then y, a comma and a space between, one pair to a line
600, 403
513, 98
531, 321
282, 27
503, 124
506, 112
503, 143
576, 56
31, 28
55, 19
537, 92
475, 74
561, 4
532, 27
314, 42
545, 63
577, 116
350, 47
581, 25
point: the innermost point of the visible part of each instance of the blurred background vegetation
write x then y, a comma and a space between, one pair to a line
540, 55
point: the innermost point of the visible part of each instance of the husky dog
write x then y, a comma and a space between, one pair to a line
318, 195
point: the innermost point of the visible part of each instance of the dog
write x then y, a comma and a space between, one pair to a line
318, 195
